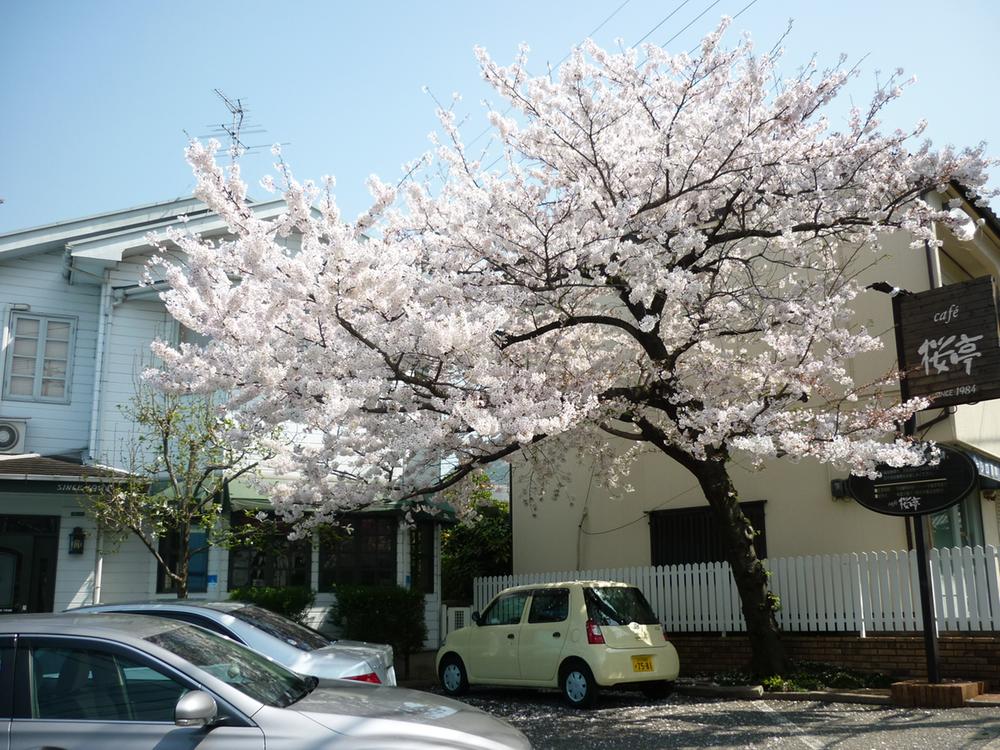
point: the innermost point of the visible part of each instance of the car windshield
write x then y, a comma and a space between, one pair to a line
247, 671
299, 636
618, 605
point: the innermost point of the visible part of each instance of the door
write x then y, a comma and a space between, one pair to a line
6, 688
77, 694
493, 643
543, 635
29, 548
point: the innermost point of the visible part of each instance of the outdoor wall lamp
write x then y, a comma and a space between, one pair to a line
838, 488
76, 540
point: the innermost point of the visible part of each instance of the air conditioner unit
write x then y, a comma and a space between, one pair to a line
12, 434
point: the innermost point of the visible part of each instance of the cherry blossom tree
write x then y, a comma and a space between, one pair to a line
664, 256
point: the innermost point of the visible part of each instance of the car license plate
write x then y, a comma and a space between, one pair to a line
642, 663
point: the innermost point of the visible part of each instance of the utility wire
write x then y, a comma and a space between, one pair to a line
691, 23
597, 28
662, 21
743, 10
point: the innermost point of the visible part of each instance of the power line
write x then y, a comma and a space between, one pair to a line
662, 21
597, 28
743, 10
691, 23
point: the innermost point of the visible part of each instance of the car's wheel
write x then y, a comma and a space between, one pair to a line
578, 685
452, 674
658, 690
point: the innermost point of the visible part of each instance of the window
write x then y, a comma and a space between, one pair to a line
39, 358
618, 605
285, 630
365, 556
505, 610
549, 605
197, 565
422, 557
95, 685
271, 561
188, 617
961, 525
692, 535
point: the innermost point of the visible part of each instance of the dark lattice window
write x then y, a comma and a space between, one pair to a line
691, 535
422, 557
197, 565
272, 560
366, 556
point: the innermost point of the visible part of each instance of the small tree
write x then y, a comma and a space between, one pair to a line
480, 545
179, 469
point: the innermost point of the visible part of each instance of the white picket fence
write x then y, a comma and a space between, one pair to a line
857, 592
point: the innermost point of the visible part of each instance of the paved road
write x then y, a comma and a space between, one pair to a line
626, 721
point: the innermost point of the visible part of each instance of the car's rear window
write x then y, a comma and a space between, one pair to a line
249, 672
618, 605
299, 636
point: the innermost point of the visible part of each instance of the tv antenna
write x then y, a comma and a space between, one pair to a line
236, 129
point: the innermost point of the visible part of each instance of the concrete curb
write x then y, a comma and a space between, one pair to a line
756, 692
732, 692
982, 702
833, 696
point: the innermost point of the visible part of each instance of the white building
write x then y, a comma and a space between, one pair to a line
75, 329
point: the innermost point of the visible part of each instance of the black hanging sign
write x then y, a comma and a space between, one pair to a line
947, 343
916, 490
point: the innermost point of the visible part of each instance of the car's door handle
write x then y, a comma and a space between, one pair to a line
510, 636
556, 634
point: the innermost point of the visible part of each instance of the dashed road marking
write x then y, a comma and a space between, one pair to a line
813, 743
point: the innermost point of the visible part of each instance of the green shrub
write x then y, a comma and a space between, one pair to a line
381, 614
293, 602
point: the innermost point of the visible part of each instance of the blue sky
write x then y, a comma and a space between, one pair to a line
96, 97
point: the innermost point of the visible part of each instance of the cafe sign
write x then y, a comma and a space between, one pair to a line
916, 490
947, 343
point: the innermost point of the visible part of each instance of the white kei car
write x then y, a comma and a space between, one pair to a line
579, 636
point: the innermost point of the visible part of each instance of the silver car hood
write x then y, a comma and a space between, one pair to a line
391, 712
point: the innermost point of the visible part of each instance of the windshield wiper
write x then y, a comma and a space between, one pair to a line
308, 685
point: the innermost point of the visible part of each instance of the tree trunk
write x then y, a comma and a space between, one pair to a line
183, 560
758, 602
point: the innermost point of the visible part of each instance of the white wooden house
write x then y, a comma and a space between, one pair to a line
75, 329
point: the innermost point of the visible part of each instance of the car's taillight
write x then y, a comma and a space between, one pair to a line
594, 634
370, 677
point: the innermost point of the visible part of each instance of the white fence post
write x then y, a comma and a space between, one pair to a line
866, 592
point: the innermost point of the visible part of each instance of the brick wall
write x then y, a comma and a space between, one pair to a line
974, 657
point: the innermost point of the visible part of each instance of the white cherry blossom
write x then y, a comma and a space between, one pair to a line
666, 252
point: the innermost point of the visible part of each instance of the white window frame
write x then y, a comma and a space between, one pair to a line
43, 323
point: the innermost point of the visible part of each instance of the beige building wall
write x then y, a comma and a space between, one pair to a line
586, 526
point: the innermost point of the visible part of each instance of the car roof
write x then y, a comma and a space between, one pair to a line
181, 605
120, 627
567, 584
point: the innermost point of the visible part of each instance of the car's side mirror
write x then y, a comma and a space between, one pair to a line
195, 709
477, 618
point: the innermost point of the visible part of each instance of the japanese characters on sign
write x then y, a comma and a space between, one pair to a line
947, 342
916, 490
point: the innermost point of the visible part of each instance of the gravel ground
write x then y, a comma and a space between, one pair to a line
627, 721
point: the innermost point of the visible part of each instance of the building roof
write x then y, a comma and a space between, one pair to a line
33, 466
55, 236
93, 243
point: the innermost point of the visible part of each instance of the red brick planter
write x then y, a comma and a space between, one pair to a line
964, 656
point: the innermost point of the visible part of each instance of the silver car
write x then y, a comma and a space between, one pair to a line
299, 648
90, 683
